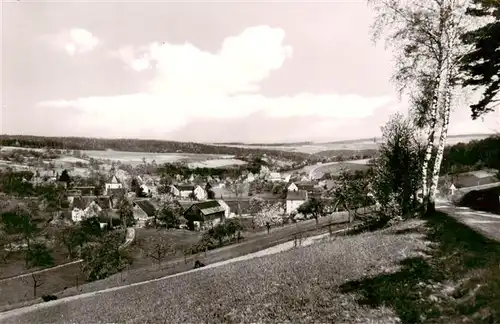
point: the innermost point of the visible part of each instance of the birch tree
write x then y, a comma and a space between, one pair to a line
424, 35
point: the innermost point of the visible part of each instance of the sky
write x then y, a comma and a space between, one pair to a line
203, 72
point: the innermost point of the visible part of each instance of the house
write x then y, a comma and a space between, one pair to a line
143, 210
184, 191
239, 206
293, 187
184, 204
181, 190
287, 177
294, 199
82, 191
113, 183
211, 211
274, 176
308, 186
227, 209
250, 177
83, 207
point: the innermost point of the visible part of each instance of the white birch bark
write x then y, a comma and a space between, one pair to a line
446, 104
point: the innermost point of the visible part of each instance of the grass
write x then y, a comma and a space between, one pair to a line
296, 286
335, 168
61, 281
457, 282
182, 238
435, 270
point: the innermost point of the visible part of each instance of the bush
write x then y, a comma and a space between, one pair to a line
47, 298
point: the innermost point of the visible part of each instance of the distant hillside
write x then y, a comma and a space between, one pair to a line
138, 145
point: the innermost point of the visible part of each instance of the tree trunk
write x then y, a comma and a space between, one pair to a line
430, 140
446, 108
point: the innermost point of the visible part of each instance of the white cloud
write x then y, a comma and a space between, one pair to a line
190, 84
74, 41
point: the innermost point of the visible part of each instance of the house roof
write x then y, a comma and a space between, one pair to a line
83, 202
296, 195
113, 179
209, 207
184, 187
275, 175
117, 192
185, 204
146, 206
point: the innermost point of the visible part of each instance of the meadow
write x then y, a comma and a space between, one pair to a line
433, 270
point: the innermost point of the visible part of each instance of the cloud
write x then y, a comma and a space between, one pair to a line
74, 41
191, 84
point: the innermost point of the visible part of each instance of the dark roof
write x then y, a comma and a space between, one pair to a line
209, 207
83, 202
185, 187
146, 206
296, 195
185, 204
305, 185
119, 192
112, 179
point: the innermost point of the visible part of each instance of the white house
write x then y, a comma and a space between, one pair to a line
145, 189
293, 187
274, 176
453, 189
200, 193
88, 206
294, 199
183, 191
286, 177
113, 183
227, 209
250, 177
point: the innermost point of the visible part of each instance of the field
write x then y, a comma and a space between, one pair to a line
135, 158
355, 145
182, 238
57, 280
216, 163
422, 271
334, 168
296, 286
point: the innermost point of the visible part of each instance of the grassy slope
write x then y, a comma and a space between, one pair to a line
460, 279
298, 286
19, 291
440, 271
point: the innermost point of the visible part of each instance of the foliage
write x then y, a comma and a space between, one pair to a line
397, 172
126, 213
72, 238
18, 221
481, 66
90, 228
65, 177
38, 255
313, 206
104, 258
464, 157
257, 204
169, 215
158, 246
269, 214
